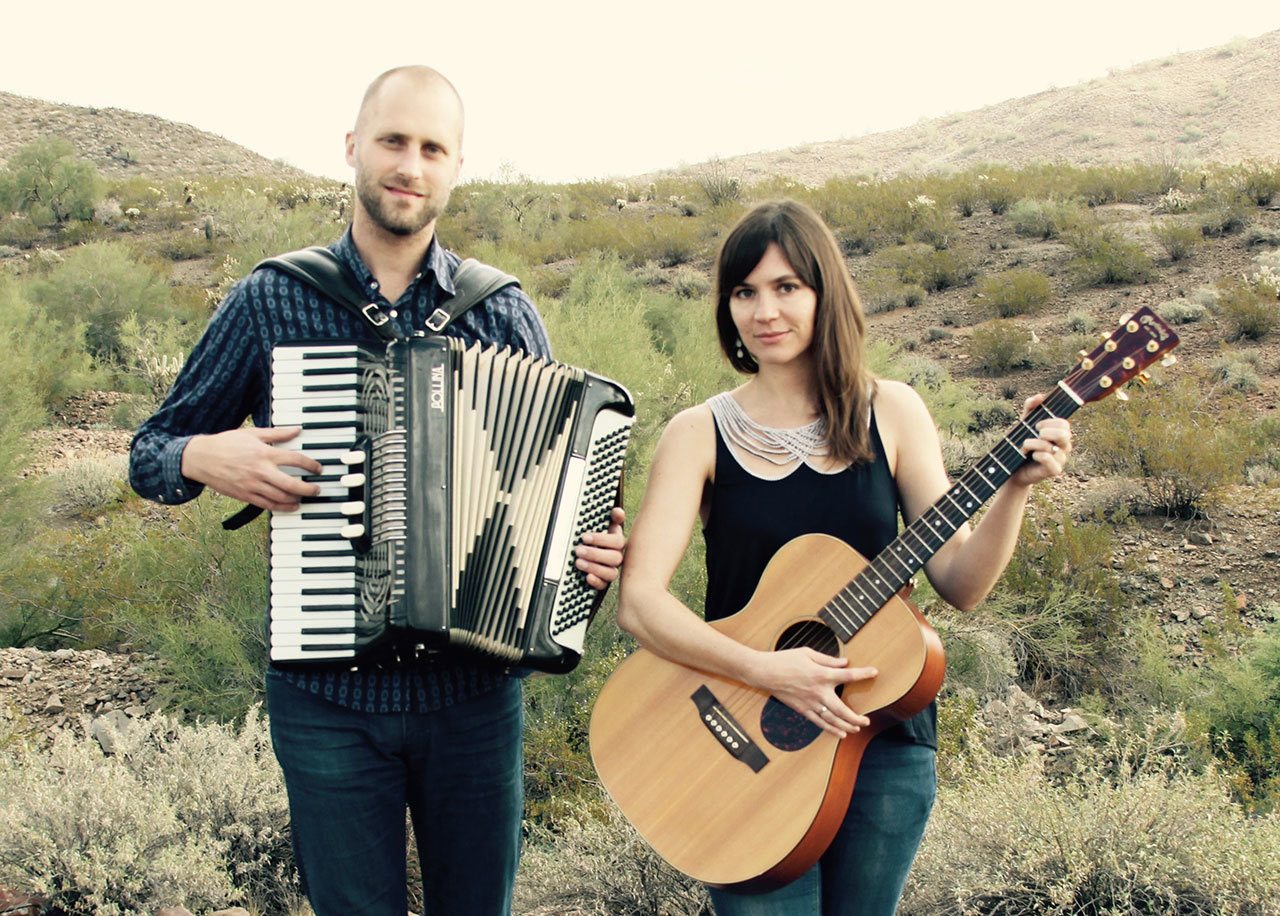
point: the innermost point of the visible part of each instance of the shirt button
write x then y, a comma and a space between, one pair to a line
178, 491
394, 313
374, 284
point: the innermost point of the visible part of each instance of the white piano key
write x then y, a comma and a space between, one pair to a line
301, 603
301, 622
286, 585
296, 654
310, 639
283, 565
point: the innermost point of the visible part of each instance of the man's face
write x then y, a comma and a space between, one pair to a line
406, 151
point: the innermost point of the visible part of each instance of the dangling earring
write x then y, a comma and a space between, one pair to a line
737, 341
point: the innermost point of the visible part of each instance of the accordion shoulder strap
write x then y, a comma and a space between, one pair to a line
473, 282
320, 268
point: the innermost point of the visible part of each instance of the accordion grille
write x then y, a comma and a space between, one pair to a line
512, 417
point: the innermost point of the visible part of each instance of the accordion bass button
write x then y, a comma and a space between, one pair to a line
351, 532
352, 508
352, 480
353, 458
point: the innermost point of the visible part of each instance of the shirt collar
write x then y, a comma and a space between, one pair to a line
434, 262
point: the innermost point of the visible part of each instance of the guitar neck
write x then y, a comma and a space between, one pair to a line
894, 566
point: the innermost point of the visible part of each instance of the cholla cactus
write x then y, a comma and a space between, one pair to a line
1173, 201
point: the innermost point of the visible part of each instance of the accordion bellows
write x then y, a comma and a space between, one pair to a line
457, 481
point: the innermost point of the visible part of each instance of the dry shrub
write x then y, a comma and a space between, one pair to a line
190, 815
1103, 256
89, 485
1000, 345
1250, 309
1181, 440
1178, 240
599, 866
1016, 292
1131, 830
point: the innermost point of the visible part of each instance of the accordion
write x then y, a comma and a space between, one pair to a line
456, 482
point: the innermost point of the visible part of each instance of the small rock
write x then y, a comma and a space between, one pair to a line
1242, 602
1071, 722
1166, 582
107, 730
174, 911
53, 704
1181, 614
135, 712
1178, 651
1200, 538
1199, 612
233, 911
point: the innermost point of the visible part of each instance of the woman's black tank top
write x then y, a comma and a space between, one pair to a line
751, 518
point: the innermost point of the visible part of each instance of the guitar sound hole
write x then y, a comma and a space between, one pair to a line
782, 726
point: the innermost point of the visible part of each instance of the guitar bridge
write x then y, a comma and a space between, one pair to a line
726, 730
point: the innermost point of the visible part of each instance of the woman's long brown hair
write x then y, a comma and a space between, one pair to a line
844, 384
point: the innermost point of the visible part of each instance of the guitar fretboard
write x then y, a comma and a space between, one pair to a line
871, 589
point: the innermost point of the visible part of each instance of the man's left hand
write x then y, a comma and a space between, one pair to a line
600, 555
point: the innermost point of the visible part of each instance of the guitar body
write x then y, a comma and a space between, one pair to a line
729, 785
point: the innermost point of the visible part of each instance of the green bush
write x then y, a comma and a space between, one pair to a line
49, 182
1103, 256
1059, 605
922, 265
1000, 345
1016, 292
1178, 240
1043, 219
1250, 310
1257, 181
1182, 440
44, 361
100, 284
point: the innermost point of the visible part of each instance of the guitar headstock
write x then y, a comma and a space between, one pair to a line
1139, 341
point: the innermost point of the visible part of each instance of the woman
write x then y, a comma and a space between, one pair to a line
810, 443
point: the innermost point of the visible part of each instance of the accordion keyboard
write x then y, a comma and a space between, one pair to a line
313, 564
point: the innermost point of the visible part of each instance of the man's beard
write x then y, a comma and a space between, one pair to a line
369, 190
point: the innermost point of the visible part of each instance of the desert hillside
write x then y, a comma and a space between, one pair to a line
1216, 105
123, 144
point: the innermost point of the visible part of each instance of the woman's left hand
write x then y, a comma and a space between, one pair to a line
599, 556
1048, 450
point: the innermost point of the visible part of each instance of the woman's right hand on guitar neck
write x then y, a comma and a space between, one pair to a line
807, 681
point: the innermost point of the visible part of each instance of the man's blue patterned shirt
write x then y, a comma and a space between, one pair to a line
226, 378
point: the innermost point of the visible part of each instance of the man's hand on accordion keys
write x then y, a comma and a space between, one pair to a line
600, 555
245, 464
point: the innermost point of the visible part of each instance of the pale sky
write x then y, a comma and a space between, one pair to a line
563, 90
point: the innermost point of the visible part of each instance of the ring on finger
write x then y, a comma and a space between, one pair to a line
822, 710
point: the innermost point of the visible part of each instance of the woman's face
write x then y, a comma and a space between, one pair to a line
774, 310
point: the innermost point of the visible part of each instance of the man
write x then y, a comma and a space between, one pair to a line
442, 736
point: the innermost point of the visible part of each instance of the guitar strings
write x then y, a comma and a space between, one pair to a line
1056, 404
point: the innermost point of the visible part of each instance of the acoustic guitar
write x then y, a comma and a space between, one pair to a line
736, 789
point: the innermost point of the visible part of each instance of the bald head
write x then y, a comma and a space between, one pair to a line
416, 76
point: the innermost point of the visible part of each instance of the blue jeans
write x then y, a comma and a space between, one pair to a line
865, 869
350, 775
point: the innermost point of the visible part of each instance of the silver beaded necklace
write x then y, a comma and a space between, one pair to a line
768, 443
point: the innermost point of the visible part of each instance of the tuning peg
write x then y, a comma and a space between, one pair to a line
1124, 319
1144, 378
1122, 395
1169, 360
